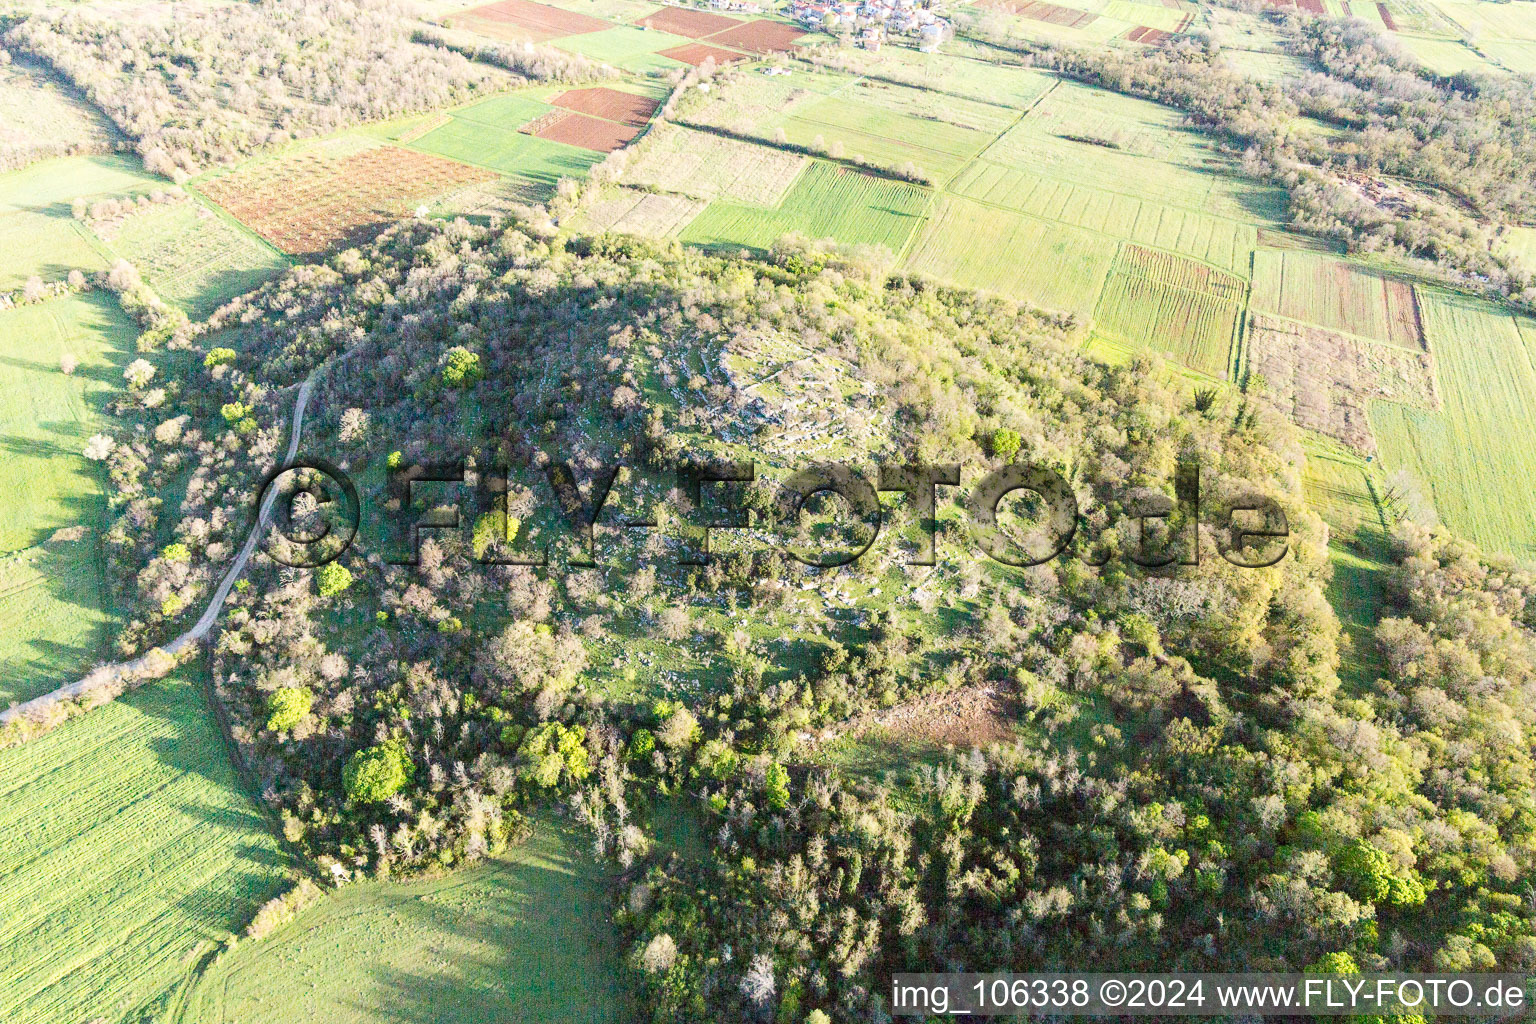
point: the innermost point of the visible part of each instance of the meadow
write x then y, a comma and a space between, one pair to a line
37, 233
52, 623
1476, 457
523, 937
38, 118
132, 852
1051, 265
626, 47
193, 257
826, 200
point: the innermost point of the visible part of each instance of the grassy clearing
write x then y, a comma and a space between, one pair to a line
1319, 289
855, 208
1475, 458
712, 167
1050, 265
1341, 487
1518, 55
1191, 311
521, 938
142, 853
1446, 56
193, 257
1226, 243
52, 621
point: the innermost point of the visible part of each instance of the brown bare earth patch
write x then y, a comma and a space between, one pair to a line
972, 716
1324, 380
1039, 10
1386, 17
523, 19
693, 24
1145, 34
760, 36
589, 132
611, 104
698, 53
310, 203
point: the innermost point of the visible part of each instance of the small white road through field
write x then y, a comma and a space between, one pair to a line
215, 604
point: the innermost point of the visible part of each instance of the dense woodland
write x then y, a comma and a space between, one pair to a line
204, 87
1192, 786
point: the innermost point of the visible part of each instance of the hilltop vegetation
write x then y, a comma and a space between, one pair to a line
1192, 786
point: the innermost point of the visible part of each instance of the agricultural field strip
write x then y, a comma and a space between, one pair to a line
964, 184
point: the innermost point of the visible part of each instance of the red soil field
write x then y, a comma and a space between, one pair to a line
1039, 10
589, 132
693, 24
311, 204
760, 36
523, 19
1144, 34
1312, 6
609, 103
696, 53
1386, 17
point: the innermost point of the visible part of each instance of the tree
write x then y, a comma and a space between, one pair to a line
332, 578
1006, 443
376, 773
139, 373
461, 367
288, 707
776, 785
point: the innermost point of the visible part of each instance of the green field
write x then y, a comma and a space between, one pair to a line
1115, 143
52, 624
522, 938
194, 257
130, 852
627, 47
826, 200
1192, 312
486, 135
1226, 243
1049, 265
37, 233
1476, 457
853, 130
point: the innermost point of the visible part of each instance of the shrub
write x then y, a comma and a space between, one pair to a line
219, 357
234, 411
332, 578
641, 744
288, 707
376, 773
176, 552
